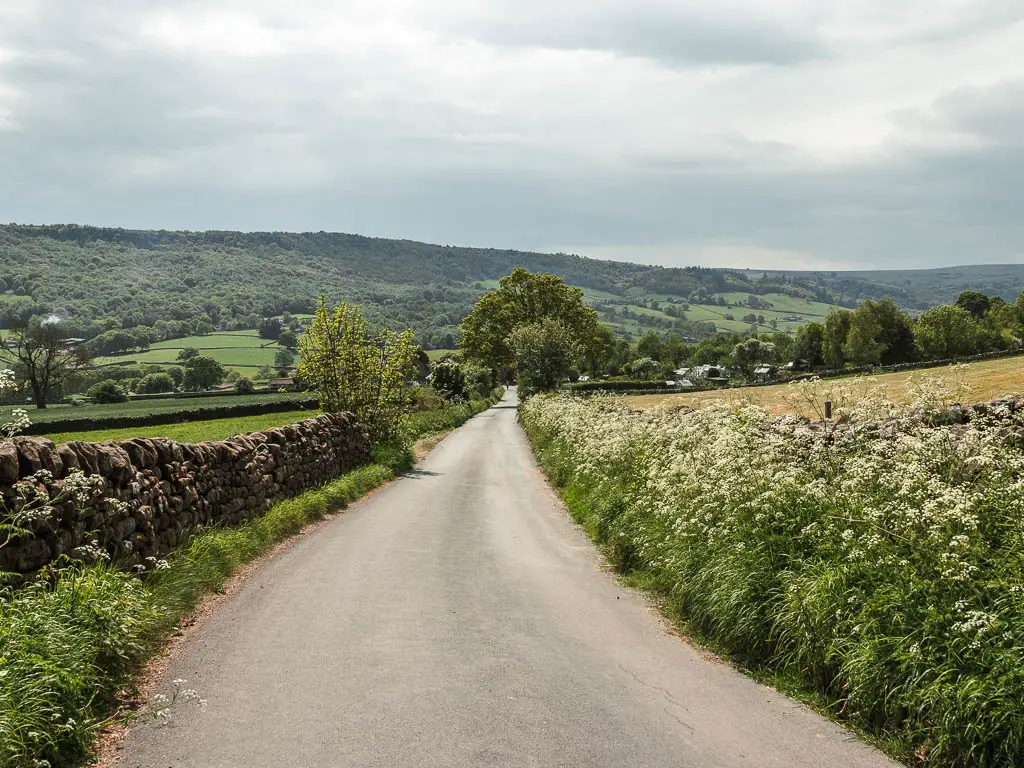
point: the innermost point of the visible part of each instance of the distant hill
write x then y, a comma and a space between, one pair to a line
101, 277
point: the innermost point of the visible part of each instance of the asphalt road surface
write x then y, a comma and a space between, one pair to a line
459, 618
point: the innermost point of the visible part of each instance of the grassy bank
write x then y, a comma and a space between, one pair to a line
69, 643
880, 571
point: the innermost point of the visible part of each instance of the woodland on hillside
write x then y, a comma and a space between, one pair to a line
194, 282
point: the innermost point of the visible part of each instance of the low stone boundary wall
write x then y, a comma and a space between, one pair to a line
170, 490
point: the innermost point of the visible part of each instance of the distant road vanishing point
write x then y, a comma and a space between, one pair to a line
459, 618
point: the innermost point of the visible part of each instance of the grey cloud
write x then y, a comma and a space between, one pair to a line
672, 35
258, 143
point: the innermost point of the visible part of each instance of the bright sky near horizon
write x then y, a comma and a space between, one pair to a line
784, 134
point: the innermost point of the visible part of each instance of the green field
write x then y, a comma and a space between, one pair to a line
145, 407
193, 432
242, 351
437, 354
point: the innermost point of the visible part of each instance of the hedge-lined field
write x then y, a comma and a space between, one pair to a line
242, 351
69, 643
883, 569
142, 408
192, 431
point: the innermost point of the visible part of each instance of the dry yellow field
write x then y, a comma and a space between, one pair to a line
976, 382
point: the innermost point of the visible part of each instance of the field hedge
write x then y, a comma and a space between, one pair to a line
59, 426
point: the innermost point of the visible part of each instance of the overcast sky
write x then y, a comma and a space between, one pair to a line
782, 133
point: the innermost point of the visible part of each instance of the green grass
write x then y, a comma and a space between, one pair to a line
192, 432
235, 350
68, 644
437, 354
146, 407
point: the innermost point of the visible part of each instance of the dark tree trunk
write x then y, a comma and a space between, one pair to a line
39, 395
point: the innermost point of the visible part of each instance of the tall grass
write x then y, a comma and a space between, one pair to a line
70, 641
881, 568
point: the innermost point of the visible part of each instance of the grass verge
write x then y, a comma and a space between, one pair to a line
69, 642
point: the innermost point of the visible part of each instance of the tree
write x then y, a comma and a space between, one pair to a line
862, 346
355, 369
202, 373
479, 380
204, 325
270, 328
837, 326
651, 345
288, 339
108, 391
974, 302
599, 349
284, 359
244, 386
154, 383
750, 353
809, 342
947, 331
896, 331
643, 368
544, 352
448, 380
40, 354
524, 298
187, 354
674, 351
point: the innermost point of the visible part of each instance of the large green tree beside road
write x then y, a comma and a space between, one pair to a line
525, 298
544, 354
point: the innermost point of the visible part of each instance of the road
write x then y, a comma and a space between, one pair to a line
459, 618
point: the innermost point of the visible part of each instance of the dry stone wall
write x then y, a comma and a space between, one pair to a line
169, 490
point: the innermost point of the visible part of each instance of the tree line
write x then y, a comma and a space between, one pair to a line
538, 330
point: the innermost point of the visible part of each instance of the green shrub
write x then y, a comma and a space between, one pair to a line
108, 391
244, 386
448, 380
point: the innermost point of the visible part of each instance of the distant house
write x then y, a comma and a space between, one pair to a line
714, 374
764, 373
797, 365
793, 319
680, 383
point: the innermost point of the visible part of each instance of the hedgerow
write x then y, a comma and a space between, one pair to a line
879, 564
